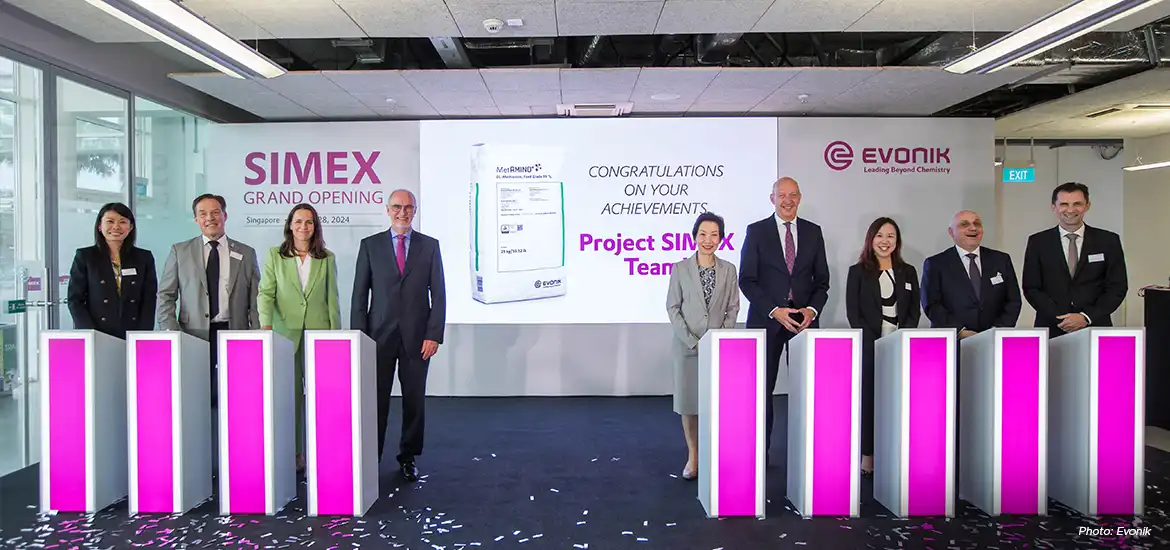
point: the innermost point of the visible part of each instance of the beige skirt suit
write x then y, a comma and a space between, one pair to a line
699, 299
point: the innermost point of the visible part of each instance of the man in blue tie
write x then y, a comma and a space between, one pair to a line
400, 302
784, 275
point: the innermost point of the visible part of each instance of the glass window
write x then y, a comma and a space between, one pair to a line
92, 150
22, 261
169, 153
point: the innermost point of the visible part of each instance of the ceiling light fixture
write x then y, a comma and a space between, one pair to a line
664, 97
1069, 22
1152, 166
183, 30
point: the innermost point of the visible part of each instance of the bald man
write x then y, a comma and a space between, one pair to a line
970, 287
784, 275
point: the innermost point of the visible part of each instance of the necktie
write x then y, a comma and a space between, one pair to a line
1073, 254
973, 271
400, 253
213, 280
789, 253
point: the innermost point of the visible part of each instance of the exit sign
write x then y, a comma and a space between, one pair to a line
1019, 175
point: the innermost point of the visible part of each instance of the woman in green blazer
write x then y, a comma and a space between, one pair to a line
298, 292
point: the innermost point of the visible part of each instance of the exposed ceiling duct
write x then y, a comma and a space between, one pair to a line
714, 49
1092, 56
451, 51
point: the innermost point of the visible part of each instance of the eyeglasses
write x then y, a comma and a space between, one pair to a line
396, 208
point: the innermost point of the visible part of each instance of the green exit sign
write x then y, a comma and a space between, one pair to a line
16, 306
1019, 175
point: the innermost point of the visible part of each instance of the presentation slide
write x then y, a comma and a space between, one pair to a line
580, 221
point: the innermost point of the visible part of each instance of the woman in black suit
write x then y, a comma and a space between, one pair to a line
881, 296
112, 284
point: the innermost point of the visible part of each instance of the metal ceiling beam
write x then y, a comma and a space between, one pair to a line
451, 50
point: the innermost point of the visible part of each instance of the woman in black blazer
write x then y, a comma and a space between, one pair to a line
881, 296
112, 284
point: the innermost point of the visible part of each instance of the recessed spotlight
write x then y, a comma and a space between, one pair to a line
390, 100
664, 97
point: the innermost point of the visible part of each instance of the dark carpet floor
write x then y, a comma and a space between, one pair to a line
589, 473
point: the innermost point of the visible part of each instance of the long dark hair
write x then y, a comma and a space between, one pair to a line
868, 259
317, 248
120, 209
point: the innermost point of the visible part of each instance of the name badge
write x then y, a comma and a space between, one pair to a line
1094, 258
236, 256
908, 287
998, 279
129, 271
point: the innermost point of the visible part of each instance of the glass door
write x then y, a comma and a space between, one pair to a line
23, 273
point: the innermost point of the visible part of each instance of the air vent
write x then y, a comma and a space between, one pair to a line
594, 109
1151, 107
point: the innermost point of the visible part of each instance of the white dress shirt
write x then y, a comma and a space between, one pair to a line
304, 267
783, 230
978, 252
225, 269
1080, 233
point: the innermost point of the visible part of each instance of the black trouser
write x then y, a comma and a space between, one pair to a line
412, 377
774, 347
213, 340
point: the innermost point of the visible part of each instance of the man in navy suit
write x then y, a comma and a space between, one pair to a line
785, 277
400, 302
1074, 274
970, 287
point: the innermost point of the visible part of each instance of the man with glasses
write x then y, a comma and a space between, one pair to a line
400, 302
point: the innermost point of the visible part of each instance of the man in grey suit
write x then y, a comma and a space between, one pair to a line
400, 302
213, 280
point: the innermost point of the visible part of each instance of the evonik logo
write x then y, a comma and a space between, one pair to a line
839, 156
547, 284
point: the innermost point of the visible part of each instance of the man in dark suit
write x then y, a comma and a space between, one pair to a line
970, 287
1074, 275
400, 302
784, 275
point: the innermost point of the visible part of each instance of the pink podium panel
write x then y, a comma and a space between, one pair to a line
824, 422
1097, 420
341, 422
731, 422
83, 418
169, 421
257, 451
1003, 421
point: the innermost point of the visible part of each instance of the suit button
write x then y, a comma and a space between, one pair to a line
103, 319
205, 315
105, 301
133, 318
133, 282
103, 281
132, 301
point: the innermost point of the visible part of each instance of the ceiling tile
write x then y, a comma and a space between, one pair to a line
301, 83
570, 97
576, 18
812, 15
446, 101
915, 15
710, 16
622, 79
535, 97
378, 101
458, 80
516, 80
689, 82
219, 84
300, 19
228, 19
354, 82
81, 19
539, 18
820, 85
401, 18
743, 78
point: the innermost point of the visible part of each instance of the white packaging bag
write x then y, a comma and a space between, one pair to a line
517, 209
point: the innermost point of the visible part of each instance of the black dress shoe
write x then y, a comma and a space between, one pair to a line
409, 471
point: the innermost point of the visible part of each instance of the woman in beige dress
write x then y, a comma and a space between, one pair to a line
703, 295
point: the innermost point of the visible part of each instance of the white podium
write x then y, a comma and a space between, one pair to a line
169, 421
731, 422
341, 423
257, 452
914, 422
1096, 420
824, 422
83, 415
1003, 421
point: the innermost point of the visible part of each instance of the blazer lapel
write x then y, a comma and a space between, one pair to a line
316, 269
964, 275
412, 254
900, 294
195, 253
1085, 248
387, 244
777, 242
235, 267
802, 245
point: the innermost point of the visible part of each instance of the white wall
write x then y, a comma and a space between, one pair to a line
1025, 208
1147, 243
